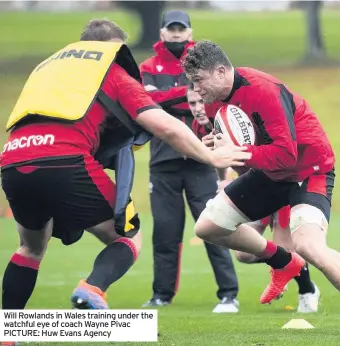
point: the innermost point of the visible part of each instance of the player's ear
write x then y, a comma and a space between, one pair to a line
221, 71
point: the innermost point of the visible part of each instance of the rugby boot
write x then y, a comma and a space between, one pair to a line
309, 302
281, 277
86, 296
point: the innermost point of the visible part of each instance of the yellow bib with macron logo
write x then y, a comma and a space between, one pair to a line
65, 85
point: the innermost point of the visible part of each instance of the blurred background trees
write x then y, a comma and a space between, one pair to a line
150, 13
315, 48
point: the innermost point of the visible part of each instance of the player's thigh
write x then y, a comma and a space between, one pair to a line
33, 243
88, 204
311, 201
28, 191
279, 225
259, 225
250, 197
104, 232
34, 190
256, 196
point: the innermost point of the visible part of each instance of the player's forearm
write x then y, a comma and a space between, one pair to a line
160, 96
183, 140
272, 157
175, 133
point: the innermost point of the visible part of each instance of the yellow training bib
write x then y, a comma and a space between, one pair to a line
129, 214
65, 85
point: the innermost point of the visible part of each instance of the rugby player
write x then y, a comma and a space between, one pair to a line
292, 164
309, 293
54, 185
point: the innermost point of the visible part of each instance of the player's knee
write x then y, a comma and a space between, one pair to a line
137, 240
310, 237
36, 253
310, 251
35, 250
308, 225
33, 243
300, 246
244, 257
202, 228
219, 212
258, 226
310, 243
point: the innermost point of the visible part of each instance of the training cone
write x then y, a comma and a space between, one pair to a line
195, 241
297, 324
8, 213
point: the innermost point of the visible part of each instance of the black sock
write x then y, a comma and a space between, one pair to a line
304, 281
19, 282
112, 263
280, 259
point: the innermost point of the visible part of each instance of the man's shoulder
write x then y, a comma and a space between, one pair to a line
117, 73
257, 78
148, 63
149, 60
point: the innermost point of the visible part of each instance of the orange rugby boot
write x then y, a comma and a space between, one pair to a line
86, 296
281, 277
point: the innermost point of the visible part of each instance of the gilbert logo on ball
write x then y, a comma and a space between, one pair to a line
235, 123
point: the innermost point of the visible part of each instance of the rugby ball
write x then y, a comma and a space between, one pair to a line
233, 122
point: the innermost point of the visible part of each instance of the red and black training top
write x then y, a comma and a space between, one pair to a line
164, 72
83, 136
291, 144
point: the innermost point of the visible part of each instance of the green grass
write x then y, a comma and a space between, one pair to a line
282, 33
189, 320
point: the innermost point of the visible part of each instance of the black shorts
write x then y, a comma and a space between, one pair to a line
257, 196
74, 191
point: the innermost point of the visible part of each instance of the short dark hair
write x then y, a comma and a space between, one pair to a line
102, 30
205, 55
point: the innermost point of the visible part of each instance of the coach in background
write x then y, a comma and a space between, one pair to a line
171, 173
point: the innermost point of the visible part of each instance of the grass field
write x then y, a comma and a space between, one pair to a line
189, 321
249, 38
273, 41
